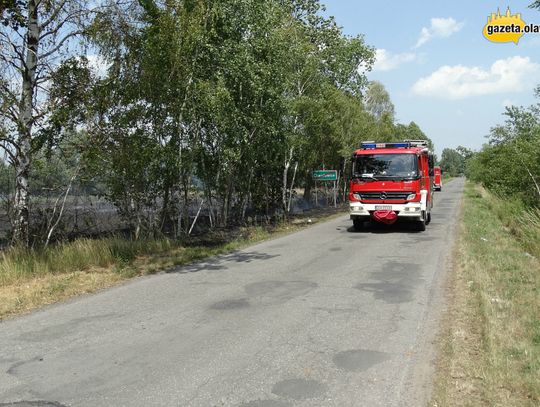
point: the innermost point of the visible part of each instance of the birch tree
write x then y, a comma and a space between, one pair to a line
36, 35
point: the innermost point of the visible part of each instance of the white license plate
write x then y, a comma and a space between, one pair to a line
383, 207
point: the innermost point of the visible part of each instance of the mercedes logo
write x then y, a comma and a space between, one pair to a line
383, 195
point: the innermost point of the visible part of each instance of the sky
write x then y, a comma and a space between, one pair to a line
439, 69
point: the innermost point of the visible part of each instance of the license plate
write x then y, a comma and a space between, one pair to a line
383, 207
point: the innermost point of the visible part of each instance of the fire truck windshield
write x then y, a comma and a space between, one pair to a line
403, 166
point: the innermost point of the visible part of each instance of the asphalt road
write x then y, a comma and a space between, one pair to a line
322, 317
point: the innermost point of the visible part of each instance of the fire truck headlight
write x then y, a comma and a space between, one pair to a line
410, 197
357, 196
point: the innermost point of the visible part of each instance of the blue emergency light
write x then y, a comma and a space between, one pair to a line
372, 145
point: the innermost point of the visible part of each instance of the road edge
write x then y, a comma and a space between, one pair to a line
420, 381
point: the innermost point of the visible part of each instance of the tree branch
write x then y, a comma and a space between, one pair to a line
51, 230
19, 53
7, 90
60, 44
53, 15
12, 156
10, 62
56, 29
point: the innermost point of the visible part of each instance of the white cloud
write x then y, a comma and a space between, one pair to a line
440, 28
386, 61
458, 82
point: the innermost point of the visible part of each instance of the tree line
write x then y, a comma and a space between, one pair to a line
231, 102
509, 163
453, 161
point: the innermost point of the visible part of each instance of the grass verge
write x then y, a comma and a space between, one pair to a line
30, 279
490, 347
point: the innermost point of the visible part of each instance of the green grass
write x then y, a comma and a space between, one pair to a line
18, 264
522, 223
491, 342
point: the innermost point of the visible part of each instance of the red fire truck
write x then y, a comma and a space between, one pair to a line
391, 181
437, 183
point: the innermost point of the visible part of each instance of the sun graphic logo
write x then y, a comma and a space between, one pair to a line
504, 28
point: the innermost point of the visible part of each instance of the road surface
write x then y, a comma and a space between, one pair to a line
323, 317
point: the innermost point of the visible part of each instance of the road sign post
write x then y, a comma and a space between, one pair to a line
325, 175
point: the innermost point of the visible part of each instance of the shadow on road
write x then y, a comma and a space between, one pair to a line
379, 228
219, 263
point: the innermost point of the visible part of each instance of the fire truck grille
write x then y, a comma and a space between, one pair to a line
381, 196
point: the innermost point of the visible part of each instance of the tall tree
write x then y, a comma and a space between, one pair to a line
323, 60
452, 162
378, 101
36, 35
411, 132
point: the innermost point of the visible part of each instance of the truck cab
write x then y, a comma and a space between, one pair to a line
437, 182
391, 181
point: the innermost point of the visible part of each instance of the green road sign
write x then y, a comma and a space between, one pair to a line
324, 175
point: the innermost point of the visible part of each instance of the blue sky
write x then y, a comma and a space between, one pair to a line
439, 69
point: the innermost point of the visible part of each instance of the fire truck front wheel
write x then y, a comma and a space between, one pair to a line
421, 224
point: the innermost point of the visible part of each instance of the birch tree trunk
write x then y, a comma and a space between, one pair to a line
286, 167
292, 186
23, 153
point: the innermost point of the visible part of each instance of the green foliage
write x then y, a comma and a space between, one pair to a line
225, 92
453, 162
12, 13
411, 132
227, 100
510, 164
378, 101
7, 176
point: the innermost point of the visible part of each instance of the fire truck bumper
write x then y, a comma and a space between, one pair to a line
409, 210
